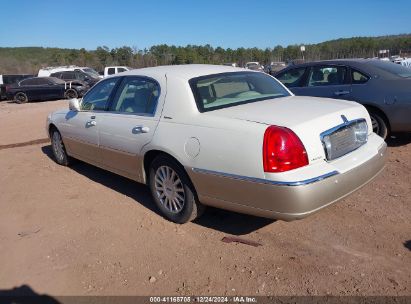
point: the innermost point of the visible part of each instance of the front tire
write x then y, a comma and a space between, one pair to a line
379, 125
70, 94
20, 98
172, 191
59, 150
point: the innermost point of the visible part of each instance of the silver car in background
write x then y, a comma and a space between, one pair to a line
383, 87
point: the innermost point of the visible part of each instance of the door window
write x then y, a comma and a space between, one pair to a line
30, 81
136, 95
326, 75
98, 97
111, 71
358, 77
68, 75
292, 78
119, 70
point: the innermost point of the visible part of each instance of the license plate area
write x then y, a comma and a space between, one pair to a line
344, 138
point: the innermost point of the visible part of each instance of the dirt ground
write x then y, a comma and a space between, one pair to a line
84, 231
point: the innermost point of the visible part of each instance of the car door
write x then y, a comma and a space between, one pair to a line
29, 87
80, 128
129, 125
55, 89
331, 81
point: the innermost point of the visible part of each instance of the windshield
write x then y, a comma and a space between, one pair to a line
91, 72
393, 68
224, 90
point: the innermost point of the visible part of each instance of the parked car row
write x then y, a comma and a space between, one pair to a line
53, 83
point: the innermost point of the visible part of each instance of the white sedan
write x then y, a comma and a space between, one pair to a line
220, 136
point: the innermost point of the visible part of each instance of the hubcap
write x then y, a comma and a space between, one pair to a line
21, 97
169, 189
375, 125
58, 146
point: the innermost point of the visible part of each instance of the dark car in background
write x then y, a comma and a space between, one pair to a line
76, 75
384, 88
7, 80
45, 88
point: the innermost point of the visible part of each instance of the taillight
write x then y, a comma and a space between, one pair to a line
7, 88
282, 150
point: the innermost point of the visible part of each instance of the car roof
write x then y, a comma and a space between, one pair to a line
185, 71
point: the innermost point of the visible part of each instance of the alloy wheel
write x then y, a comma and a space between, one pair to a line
169, 189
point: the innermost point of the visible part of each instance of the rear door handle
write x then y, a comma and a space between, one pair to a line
339, 93
140, 129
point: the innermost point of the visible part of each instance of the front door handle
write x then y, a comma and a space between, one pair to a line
140, 129
339, 93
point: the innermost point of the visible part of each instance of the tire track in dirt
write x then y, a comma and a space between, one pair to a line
26, 143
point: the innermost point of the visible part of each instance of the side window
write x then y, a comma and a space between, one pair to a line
69, 75
119, 70
358, 77
291, 78
80, 76
27, 82
41, 81
136, 95
327, 75
111, 71
98, 97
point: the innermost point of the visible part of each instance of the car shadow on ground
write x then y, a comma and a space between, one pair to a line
24, 294
231, 222
400, 139
407, 244
224, 221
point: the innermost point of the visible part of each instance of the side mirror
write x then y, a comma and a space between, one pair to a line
74, 104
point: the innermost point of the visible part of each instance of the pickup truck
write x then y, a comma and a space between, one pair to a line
111, 70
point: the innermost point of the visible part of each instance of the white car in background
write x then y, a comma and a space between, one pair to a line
112, 70
220, 136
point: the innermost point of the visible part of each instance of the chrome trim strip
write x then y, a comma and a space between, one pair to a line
345, 124
266, 181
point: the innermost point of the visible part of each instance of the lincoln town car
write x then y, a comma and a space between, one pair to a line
204, 135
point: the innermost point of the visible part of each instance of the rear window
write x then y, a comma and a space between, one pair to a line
224, 90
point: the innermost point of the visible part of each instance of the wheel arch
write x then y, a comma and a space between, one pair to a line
373, 108
52, 127
150, 155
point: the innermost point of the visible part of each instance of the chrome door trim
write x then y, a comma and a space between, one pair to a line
266, 181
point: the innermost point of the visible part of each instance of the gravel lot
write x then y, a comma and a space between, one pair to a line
84, 231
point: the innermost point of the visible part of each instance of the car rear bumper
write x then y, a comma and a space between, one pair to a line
286, 201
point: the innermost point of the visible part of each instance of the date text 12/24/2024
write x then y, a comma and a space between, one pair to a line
203, 299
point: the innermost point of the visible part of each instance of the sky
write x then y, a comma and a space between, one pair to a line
226, 23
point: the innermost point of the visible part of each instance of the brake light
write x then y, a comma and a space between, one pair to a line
282, 150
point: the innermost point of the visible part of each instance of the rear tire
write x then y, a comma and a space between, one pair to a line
59, 150
172, 191
20, 98
379, 125
70, 94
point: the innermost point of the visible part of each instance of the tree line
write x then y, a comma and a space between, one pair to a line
30, 59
